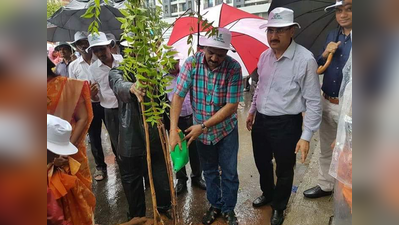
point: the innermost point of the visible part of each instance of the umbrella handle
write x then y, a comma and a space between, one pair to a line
321, 69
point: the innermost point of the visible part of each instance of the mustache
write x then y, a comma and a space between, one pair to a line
274, 40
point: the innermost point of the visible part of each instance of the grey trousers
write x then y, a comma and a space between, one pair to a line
328, 133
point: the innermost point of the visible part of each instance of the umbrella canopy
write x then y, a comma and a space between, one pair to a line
56, 34
315, 22
69, 17
247, 39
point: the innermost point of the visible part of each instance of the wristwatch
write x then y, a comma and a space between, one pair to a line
203, 127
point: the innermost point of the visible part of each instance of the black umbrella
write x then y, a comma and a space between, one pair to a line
315, 22
56, 34
69, 16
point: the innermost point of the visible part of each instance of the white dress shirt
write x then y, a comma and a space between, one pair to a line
79, 69
100, 75
289, 86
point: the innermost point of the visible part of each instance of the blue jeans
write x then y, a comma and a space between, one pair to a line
221, 195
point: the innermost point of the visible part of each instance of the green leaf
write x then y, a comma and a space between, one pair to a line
148, 114
204, 23
165, 105
98, 10
121, 19
190, 50
91, 26
124, 12
88, 15
207, 27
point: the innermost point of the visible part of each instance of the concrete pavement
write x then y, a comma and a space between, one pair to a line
112, 206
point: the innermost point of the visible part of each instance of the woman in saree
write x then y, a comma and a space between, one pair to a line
69, 99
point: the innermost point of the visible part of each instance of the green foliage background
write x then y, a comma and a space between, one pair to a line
52, 7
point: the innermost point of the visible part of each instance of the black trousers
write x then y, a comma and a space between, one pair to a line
112, 124
132, 173
184, 123
95, 136
276, 136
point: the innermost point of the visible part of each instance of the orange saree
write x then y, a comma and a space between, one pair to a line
64, 95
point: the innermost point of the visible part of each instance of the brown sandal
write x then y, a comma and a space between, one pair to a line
211, 215
99, 175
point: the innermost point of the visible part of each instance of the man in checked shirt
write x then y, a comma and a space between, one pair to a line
214, 81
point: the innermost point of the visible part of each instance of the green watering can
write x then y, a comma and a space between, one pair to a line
180, 157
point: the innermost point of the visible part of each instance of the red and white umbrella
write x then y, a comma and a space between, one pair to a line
247, 39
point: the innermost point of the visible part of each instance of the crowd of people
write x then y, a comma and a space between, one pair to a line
288, 107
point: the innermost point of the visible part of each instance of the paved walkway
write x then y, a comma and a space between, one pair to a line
304, 211
112, 206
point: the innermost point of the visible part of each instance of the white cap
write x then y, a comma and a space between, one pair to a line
280, 17
223, 40
62, 43
58, 136
124, 43
79, 35
99, 39
338, 3
110, 36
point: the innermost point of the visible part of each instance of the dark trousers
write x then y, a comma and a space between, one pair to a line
276, 136
95, 136
184, 123
112, 124
132, 173
221, 188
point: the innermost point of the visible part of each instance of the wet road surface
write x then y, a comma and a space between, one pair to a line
112, 206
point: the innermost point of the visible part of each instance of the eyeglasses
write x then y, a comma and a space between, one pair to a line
278, 31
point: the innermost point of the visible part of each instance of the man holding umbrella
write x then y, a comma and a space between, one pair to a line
288, 86
338, 43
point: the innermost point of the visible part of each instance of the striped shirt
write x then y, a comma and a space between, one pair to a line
289, 86
210, 91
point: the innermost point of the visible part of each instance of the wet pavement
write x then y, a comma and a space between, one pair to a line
112, 206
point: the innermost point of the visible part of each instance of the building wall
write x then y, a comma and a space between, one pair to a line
176, 8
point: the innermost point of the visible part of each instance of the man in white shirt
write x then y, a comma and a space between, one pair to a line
288, 86
79, 69
99, 71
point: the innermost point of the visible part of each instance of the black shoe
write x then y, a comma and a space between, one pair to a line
231, 218
277, 217
200, 183
316, 192
211, 215
260, 201
180, 186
